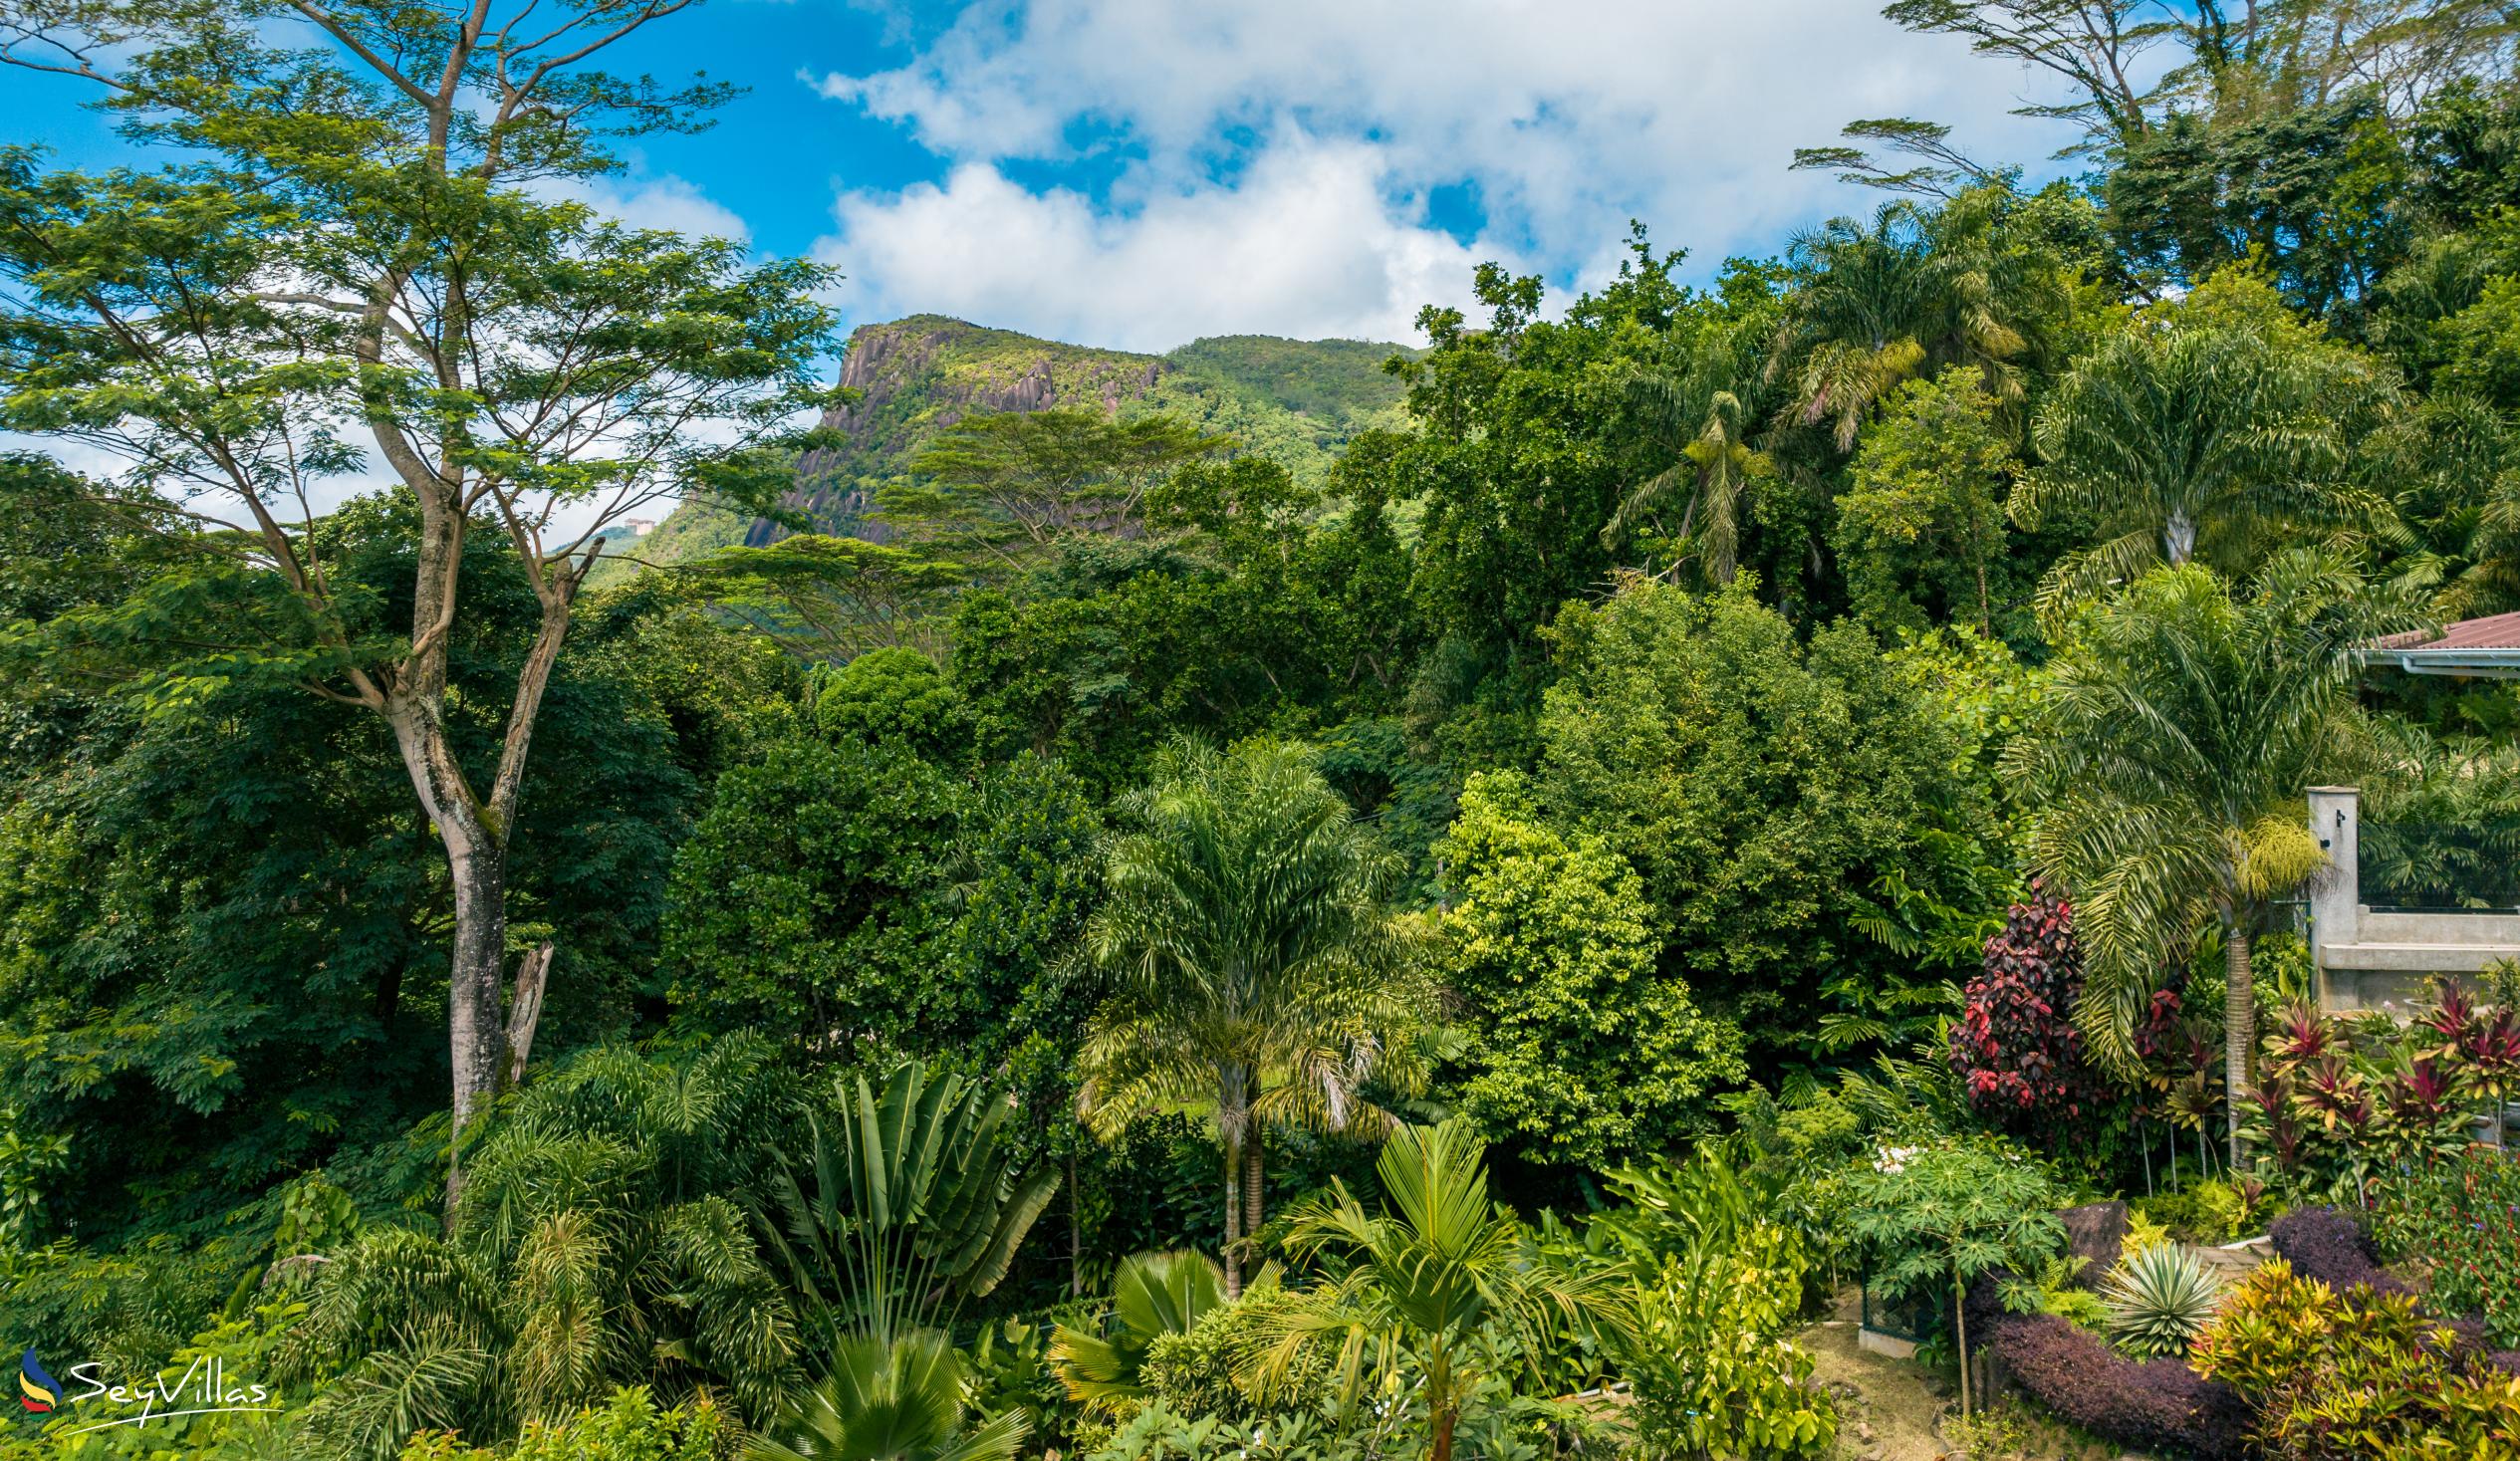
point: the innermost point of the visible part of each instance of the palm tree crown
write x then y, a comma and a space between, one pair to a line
1250, 956
2189, 441
1911, 294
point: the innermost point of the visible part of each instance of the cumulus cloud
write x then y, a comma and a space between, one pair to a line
666, 201
1306, 243
1256, 123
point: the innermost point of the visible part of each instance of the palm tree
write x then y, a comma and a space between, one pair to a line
2176, 742
1250, 959
1424, 1276
1699, 422
1914, 293
593, 1248
2190, 442
1154, 1295
887, 1399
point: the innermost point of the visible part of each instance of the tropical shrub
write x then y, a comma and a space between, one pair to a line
2328, 1379
2155, 1404
917, 1205
895, 1398
593, 1246
1933, 1219
1160, 1433
2160, 1299
2327, 1245
1210, 1368
2015, 1043
1153, 1296
1425, 1286
629, 1427
1714, 1370
2460, 1215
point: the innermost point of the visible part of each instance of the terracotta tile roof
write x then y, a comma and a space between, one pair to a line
2494, 632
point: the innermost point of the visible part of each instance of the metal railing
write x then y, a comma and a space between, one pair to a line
2416, 866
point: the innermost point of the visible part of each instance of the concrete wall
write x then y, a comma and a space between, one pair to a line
2368, 960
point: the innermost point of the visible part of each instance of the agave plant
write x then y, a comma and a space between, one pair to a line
896, 1399
1154, 1294
2160, 1299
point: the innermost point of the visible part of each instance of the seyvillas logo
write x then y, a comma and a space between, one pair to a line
37, 1391
203, 1388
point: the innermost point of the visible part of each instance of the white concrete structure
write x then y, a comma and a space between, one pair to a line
2369, 960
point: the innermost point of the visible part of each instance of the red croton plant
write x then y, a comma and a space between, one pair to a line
2016, 1045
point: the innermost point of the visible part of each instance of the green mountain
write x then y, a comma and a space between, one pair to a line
1298, 401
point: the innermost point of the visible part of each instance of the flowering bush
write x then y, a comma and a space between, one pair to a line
2463, 1215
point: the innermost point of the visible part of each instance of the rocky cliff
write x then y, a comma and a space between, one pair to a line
1295, 400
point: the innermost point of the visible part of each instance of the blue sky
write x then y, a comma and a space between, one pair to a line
1141, 173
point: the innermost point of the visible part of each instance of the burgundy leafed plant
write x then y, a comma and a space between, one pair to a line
2015, 1045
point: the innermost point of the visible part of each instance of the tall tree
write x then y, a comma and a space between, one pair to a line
2178, 736
1004, 489
1699, 419
1912, 292
1251, 959
345, 267
2196, 435
1926, 508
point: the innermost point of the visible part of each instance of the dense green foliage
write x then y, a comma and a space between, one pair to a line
1284, 899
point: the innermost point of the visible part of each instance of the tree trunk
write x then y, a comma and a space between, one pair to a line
476, 1024
1251, 1195
476, 866
1445, 1408
1076, 1235
1233, 1124
2239, 1029
1232, 1249
1960, 1327
2179, 539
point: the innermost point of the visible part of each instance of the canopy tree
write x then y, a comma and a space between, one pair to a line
1251, 959
2211, 430
352, 264
2178, 734
1002, 489
1910, 294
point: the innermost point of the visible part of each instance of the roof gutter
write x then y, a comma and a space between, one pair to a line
2483, 664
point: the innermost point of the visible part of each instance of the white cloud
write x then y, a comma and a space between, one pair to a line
1569, 118
665, 201
1306, 244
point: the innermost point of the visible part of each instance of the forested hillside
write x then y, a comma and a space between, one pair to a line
1241, 905
1293, 402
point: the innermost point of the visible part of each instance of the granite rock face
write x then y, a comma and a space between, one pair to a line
916, 377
